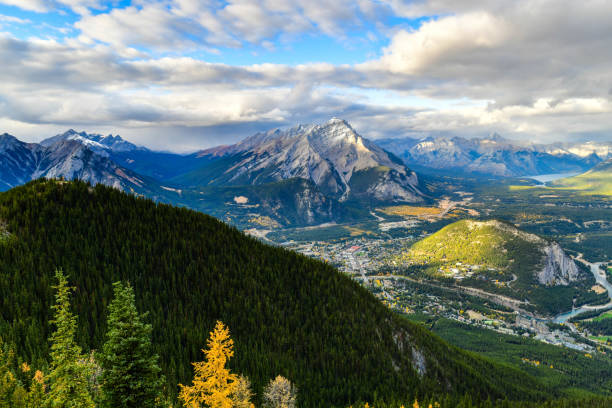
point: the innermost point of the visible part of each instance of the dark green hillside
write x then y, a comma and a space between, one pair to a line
574, 371
288, 314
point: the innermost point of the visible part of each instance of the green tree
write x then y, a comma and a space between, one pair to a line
69, 376
36, 395
10, 389
131, 374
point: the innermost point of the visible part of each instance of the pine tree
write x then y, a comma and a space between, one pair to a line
213, 383
131, 374
280, 393
68, 378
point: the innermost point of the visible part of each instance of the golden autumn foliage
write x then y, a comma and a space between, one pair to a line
213, 384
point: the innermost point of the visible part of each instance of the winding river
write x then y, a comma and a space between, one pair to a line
600, 277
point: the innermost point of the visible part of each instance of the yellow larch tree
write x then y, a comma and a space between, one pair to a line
213, 383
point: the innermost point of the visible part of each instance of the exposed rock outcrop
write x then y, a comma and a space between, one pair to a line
559, 269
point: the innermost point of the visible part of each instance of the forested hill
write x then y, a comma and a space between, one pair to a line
288, 314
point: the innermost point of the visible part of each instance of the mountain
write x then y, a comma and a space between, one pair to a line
287, 313
167, 177
496, 156
68, 158
18, 161
158, 165
596, 181
341, 163
95, 142
499, 258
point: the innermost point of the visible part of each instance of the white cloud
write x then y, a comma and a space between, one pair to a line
531, 68
166, 24
437, 42
14, 20
34, 5
42, 6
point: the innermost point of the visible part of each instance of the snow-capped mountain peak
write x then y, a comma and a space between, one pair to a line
100, 144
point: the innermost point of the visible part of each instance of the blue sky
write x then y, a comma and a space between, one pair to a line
186, 74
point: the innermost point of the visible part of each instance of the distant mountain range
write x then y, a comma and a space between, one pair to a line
70, 156
496, 156
301, 176
305, 175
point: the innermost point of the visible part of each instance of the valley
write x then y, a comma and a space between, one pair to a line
369, 252
305, 204
483, 261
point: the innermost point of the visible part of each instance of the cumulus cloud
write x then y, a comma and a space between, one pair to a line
527, 68
511, 53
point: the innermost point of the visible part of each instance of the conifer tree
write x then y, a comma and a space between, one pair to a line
213, 383
131, 373
68, 378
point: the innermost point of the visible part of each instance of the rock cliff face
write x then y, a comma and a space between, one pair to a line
559, 269
298, 201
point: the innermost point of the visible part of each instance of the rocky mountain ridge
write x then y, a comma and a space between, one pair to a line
329, 155
497, 156
65, 157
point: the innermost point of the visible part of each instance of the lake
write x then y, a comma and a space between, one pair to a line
545, 178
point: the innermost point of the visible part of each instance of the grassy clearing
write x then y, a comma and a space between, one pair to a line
410, 211
356, 231
602, 339
521, 188
590, 183
606, 315
264, 221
